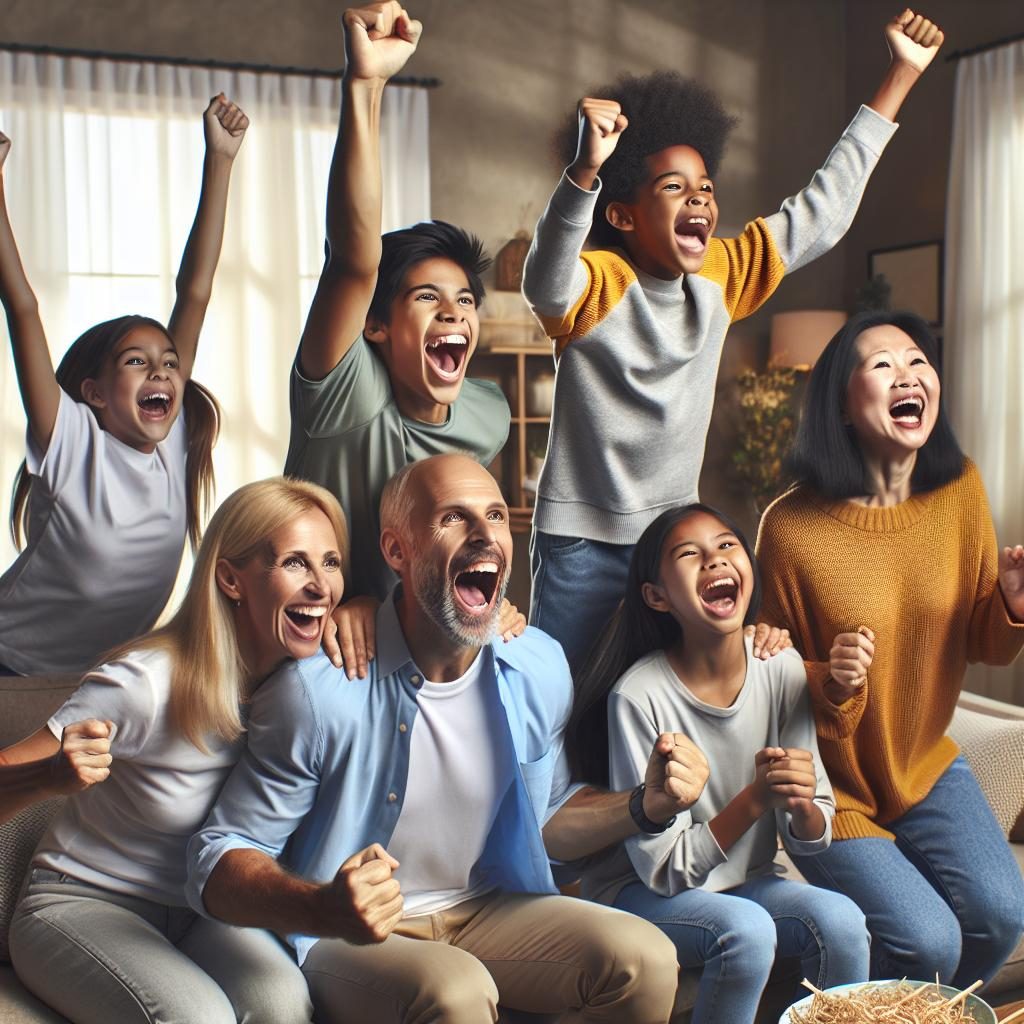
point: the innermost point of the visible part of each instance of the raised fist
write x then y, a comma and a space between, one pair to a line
676, 775
379, 39
849, 661
913, 39
84, 756
224, 125
601, 124
364, 900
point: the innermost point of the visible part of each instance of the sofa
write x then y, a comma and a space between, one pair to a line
990, 734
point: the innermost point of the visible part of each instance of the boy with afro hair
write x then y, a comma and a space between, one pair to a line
638, 322
380, 376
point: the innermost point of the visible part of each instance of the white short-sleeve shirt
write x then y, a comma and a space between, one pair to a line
129, 833
106, 531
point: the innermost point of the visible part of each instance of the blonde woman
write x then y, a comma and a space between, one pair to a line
102, 932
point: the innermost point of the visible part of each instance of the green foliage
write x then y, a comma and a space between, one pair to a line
766, 427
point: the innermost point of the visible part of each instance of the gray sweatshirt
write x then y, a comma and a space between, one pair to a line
638, 356
772, 710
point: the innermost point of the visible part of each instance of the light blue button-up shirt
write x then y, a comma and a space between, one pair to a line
325, 770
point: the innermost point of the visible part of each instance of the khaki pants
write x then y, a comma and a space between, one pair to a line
542, 954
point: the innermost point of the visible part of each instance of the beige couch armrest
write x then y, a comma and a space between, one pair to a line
991, 736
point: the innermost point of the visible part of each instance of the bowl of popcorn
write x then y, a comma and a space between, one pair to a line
891, 1002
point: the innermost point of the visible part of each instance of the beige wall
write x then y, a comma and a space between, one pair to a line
793, 70
511, 70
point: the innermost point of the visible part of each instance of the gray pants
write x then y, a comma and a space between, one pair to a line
96, 956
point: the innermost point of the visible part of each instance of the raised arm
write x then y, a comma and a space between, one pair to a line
41, 766
224, 125
913, 42
379, 39
40, 392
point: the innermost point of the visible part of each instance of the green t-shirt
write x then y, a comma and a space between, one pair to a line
349, 436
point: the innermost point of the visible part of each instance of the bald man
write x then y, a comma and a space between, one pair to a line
398, 828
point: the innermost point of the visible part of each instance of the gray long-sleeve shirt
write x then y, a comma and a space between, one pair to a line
638, 356
772, 710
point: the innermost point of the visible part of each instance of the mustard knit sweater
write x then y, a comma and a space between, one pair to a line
923, 576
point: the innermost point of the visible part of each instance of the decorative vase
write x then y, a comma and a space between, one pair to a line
508, 264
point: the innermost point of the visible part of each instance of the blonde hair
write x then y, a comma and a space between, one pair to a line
208, 673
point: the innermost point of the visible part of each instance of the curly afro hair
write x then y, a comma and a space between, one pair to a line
664, 109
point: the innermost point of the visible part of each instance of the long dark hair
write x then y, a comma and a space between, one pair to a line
84, 360
825, 452
636, 629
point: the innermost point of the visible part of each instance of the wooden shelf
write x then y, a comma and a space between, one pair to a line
507, 363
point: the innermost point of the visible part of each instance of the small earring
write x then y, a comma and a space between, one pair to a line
238, 603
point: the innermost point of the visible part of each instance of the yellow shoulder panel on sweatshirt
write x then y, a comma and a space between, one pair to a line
608, 277
748, 269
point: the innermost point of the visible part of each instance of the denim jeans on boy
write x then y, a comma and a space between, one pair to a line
734, 937
577, 585
946, 897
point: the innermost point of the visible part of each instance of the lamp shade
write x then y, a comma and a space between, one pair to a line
798, 338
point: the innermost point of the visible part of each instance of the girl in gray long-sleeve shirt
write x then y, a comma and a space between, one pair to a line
707, 877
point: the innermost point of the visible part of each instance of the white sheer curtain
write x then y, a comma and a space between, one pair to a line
984, 376
102, 184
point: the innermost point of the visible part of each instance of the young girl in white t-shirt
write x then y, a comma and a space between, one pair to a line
675, 660
114, 479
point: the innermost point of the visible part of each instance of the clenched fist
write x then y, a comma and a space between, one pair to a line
84, 756
601, 124
676, 775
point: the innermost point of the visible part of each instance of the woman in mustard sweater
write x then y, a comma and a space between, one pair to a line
888, 541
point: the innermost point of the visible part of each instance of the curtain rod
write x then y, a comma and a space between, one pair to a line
982, 47
218, 65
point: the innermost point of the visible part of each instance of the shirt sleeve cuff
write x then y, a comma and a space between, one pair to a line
574, 204
808, 847
871, 129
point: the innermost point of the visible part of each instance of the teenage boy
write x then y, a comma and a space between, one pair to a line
638, 328
379, 379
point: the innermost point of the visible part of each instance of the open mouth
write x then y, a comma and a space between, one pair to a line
446, 354
907, 412
306, 619
476, 587
692, 234
719, 596
155, 405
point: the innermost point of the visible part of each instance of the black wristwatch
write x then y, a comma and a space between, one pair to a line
636, 812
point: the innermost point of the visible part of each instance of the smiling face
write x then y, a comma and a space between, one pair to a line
666, 227
705, 579
285, 593
457, 552
137, 396
429, 339
892, 396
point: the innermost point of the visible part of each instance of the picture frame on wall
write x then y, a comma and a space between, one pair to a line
914, 273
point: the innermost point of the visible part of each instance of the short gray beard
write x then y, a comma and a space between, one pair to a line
432, 593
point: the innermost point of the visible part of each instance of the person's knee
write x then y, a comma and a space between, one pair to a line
463, 992
635, 963
747, 942
930, 947
839, 921
277, 997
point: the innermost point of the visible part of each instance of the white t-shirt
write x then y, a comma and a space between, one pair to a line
457, 779
106, 532
129, 833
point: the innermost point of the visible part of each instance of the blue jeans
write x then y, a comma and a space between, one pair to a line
577, 585
947, 896
99, 957
734, 936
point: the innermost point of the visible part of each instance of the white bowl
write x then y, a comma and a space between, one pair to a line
983, 1013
